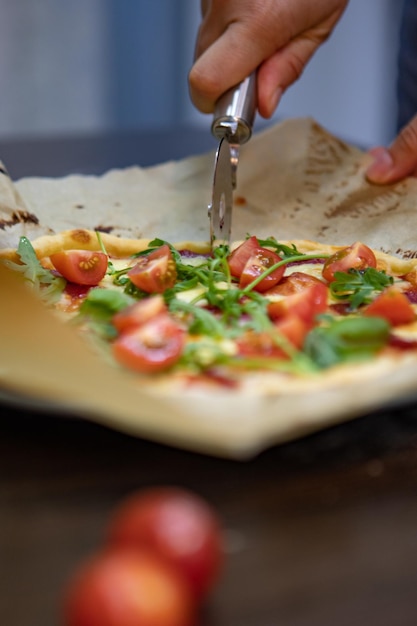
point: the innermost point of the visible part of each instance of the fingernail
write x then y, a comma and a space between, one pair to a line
380, 168
274, 99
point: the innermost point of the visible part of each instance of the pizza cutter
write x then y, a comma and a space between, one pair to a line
232, 124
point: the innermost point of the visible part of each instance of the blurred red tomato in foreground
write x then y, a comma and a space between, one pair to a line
178, 525
120, 588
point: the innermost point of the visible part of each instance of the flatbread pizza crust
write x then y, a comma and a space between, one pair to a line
84, 239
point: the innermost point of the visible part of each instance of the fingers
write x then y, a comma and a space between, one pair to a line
399, 160
238, 36
204, 4
208, 79
281, 70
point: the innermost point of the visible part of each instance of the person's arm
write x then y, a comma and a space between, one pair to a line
399, 160
277, 37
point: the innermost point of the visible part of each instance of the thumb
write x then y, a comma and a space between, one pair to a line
399, 160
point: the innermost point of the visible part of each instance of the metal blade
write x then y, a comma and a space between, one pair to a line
220, 210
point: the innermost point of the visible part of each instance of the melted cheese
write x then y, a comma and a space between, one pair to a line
313, 269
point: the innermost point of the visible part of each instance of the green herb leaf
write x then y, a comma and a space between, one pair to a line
158, 243
46, 283
346, 339
359, 286
99, 306
201, 355
272, 268
286, 252
203, 322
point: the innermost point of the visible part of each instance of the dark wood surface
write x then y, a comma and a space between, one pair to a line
319, 532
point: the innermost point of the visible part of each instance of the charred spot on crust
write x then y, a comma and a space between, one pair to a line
18, 217
81, 236
104, 229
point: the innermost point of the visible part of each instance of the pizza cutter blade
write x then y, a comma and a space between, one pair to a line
220, 210
232, 124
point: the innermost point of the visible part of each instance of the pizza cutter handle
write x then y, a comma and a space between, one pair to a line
235, 112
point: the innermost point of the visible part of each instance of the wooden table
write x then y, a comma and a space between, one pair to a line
319, 532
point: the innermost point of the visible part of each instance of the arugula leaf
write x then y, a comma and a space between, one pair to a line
286, 252
359, 286
157, 243
200, 355
110, 266
346, 339
256, 308
46, 283
203, 322
98, 308
272, 268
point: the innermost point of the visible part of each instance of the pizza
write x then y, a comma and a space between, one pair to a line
261, 317
249, 367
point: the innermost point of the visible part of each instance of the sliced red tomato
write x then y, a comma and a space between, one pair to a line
392, 305
154, 272
267, 344
357, 256
82, 267
240, 256
306, 304
125, 588
295, 282
294, 329
250, 260
177, 524
256, 265
152, 347
140, 312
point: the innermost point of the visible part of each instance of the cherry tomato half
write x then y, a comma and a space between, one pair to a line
177, 524
294, 329
125, 589
304, 296
393, 306
139, 312
82, 267
240, 256
249, 260
152, 347
357, 256
296, 282
256, 265
154, 272
268, 344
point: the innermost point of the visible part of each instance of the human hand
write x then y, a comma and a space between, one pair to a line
276, 36
398, 161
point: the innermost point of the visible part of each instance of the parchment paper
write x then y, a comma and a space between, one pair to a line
295, 181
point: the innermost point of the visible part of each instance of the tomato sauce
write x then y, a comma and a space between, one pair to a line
76, 291
411, 295
401, 343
